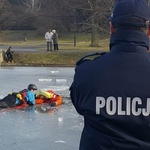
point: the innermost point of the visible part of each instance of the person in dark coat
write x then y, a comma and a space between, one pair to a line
55, 40
9, 54
112, 91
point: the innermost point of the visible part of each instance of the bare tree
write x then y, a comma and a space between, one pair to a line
5, 13
32, 6
68, 15
93, 16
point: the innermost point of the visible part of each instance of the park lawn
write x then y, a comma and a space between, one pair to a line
67, 55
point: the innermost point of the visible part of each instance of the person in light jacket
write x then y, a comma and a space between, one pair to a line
49, 40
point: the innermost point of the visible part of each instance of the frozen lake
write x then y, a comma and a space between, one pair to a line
40, 127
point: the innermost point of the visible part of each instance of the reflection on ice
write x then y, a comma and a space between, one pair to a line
61, 80
45, 80
57, 88
60, 119
54, 72
54, 80
60, 141
32, 127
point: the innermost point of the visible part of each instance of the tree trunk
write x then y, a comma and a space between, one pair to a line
94, 35
94, 38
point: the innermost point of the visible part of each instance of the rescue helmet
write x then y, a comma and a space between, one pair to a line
32, 87
125, 10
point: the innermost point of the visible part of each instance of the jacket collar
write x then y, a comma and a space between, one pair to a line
133, 39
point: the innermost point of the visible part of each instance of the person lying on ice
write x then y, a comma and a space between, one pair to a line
26, 97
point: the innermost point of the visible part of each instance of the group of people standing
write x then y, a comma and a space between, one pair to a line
52, 40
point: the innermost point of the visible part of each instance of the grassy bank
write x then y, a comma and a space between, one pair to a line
60, 58
67, 55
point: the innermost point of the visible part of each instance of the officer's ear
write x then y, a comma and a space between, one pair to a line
112, 28
148, 28
148, 31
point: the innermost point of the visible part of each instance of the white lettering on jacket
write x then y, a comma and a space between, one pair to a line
113, 106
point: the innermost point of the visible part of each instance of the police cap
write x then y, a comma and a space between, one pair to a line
125, 9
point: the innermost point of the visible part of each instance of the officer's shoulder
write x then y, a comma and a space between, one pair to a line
89, 57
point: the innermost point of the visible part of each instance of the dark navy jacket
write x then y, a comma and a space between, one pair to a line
112, 92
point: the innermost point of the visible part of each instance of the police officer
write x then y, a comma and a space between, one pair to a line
112, 91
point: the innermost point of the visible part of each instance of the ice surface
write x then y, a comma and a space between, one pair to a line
41, 127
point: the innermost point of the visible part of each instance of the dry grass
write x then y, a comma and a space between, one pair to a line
68, 54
